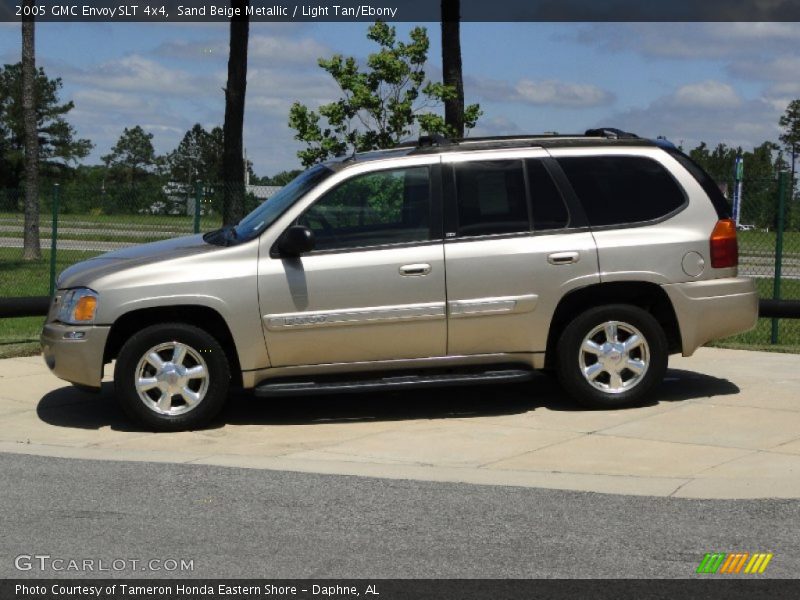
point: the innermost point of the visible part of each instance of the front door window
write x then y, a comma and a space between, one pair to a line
374, 209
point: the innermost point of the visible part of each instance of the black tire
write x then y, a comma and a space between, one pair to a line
612, 383
203, 353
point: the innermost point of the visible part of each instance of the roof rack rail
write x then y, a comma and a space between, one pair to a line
612, 133
515, 138
433, 139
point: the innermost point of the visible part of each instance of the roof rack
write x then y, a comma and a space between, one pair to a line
433, 139
517, 138
611, 133
433, 143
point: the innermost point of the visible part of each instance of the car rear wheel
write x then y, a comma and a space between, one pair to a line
172, 377
612, 356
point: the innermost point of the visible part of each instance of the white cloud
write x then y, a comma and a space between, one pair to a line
137, 74
706, 94
710, 110
558, 94
101, 115
704, 112
691, 40
790, 88
166, 101
274, 87
491, 126
781, 68
262, 49
186, 49
732, 42
104, 100
287, 51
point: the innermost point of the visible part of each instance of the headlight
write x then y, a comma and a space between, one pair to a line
78, 307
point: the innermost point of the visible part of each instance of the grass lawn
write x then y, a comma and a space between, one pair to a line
759, 338
19, 337
761, 242
26, 278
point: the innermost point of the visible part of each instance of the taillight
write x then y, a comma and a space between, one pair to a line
724, 248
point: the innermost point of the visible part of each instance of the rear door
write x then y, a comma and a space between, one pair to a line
513, 249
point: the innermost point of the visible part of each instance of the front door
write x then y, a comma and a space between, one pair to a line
373, 288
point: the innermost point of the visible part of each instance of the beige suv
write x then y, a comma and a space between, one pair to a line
438, 263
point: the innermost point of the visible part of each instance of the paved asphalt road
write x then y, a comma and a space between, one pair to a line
239, 523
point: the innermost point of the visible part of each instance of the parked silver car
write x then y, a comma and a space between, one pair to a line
437, 263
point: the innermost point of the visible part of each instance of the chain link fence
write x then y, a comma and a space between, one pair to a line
91, 221
769, 252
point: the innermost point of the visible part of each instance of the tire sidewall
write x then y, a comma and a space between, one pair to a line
568, 352
198, 339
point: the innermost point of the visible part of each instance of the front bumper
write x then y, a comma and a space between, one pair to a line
75, 360
713, 309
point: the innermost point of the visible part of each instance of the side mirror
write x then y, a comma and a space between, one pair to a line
296, 240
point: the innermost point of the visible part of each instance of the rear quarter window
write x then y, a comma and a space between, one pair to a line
617, 190
709, 186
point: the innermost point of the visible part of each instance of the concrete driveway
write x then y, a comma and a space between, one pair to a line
725, 424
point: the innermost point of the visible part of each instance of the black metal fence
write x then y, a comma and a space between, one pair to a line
769, 252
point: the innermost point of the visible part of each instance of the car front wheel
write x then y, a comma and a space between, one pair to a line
172, 377
612, 356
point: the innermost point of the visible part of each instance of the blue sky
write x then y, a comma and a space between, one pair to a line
717, 82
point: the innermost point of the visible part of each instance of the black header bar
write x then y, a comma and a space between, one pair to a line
184, 11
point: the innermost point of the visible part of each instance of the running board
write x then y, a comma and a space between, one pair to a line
397, 382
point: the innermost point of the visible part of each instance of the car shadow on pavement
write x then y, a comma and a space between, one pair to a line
70, 407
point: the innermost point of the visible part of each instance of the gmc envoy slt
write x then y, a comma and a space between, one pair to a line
435, 263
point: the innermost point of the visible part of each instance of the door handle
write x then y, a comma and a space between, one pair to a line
417, 270
563, 258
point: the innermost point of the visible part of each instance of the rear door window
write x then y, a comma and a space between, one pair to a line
617, 190
491, 197
547, 205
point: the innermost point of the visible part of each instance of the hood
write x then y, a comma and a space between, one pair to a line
86, 272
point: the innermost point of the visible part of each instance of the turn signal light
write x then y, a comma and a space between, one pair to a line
84, 309
724, 247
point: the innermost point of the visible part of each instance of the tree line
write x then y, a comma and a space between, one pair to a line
133, 177
131, 161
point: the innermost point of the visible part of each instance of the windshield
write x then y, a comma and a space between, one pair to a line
269, 210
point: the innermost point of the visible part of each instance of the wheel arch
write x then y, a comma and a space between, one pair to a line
203, 317
648, 296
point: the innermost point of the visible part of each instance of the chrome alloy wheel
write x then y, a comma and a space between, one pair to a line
614, 357
171, 378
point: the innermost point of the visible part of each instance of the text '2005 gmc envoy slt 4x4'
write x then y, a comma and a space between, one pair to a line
438, 263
